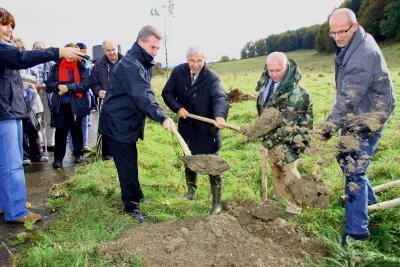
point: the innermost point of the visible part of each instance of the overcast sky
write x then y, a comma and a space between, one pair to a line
220, 27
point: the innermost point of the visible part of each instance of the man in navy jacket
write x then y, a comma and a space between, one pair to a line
129, 100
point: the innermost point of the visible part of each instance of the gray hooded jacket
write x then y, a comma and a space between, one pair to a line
363, 86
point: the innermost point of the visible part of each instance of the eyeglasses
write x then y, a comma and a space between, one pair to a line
340, 33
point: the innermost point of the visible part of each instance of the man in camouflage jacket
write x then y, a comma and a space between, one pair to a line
279, 87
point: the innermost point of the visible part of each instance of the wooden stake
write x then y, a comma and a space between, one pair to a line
378, 188
384, 205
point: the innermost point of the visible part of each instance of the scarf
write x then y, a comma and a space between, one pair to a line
63, 75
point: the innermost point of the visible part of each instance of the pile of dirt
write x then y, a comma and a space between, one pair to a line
250, 234
236, 96
310, 191
206, 164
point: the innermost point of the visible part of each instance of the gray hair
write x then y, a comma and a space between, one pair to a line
279, 56
147, 31
38, 42
108, 41
348, 12
194, 50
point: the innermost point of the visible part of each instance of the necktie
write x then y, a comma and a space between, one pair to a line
270, 91
193, 76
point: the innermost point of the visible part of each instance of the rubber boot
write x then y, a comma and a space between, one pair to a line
216, 189
191, 179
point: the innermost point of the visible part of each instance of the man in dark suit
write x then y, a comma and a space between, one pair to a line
194, 88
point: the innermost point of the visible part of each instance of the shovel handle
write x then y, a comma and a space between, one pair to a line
211, 121
181, 142
264, 186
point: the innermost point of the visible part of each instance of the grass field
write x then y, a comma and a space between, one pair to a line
93, 215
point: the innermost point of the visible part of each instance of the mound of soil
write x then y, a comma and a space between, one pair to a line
310, 191
236, 96
206, 164
236, 237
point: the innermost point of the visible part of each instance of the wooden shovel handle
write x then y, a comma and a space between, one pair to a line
379, 188
211, 121
181, 142
264, 185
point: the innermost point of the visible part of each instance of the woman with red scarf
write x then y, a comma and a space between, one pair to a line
67, 84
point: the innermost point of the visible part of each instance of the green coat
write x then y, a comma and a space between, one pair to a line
292, 137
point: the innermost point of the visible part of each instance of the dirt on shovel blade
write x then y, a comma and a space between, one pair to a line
206, 164
269, 119
310, 191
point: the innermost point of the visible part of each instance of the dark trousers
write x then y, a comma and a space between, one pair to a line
66, 122
105, 148
125, 159
31, 142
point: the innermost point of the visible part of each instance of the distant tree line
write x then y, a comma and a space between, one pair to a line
381, 18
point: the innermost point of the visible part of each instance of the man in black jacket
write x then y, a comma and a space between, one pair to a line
99, 81
194, 88
129, 100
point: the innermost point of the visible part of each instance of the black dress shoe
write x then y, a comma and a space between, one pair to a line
78, 159
109, 157
57, 164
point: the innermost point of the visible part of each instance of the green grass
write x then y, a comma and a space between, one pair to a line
90, 212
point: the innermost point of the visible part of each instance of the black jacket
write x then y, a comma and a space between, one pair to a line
79, 105
130, 98
206, 98
12, 59
100, 75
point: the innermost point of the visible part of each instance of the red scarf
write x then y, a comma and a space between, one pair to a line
63, 75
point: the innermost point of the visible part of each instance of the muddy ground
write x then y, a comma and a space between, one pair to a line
250, 234
206, 164
236, 96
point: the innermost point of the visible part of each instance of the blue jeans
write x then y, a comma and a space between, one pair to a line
358, 189
12, 177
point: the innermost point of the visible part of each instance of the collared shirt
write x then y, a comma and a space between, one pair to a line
268, 88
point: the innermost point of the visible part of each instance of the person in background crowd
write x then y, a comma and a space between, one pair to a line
12, 110
69, 104
86, 121
47, 131
100, 78
31, 125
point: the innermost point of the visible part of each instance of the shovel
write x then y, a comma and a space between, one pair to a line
211, 121
264, 186
203, 164
270, 118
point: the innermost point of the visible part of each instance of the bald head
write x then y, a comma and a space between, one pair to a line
342, 24
277, 65
343, 14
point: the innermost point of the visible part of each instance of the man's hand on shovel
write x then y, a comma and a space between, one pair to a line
219, 122
168, 124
